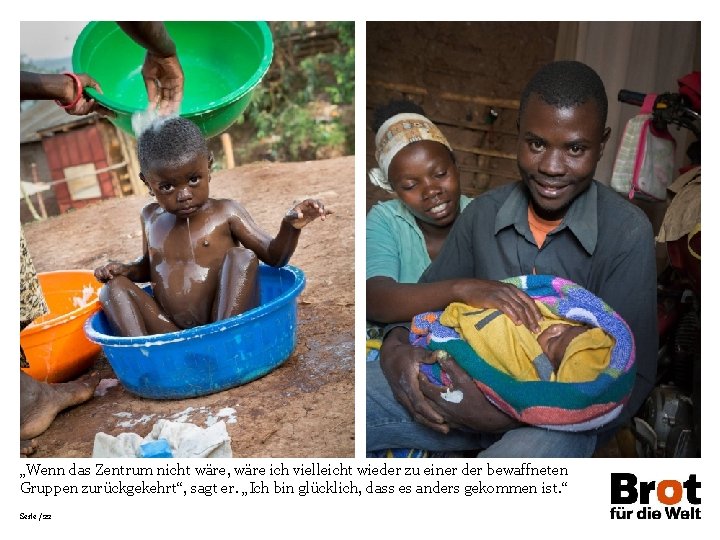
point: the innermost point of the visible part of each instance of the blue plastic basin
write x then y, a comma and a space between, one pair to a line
210, 358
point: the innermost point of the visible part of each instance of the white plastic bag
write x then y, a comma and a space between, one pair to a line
645, 162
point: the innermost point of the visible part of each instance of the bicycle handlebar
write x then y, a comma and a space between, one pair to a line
633, 98
669, 108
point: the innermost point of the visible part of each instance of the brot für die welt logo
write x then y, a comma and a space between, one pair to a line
681, 499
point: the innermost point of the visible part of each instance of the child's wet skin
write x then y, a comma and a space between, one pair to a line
185, 272
201, 255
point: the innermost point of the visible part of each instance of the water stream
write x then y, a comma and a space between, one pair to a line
192, 250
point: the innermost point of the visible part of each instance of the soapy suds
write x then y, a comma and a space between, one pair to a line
183, 415
453, 396
149, 118
144, 419
131, 422
82, 301
159, 341
102, 387
227, 413
189, 414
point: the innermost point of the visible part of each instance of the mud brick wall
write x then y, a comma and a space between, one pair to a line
458, 72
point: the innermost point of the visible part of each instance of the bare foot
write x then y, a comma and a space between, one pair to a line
27, 447
41, 402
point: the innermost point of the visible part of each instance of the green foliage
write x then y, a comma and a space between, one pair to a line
303, 109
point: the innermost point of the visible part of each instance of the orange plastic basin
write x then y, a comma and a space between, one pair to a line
55, 344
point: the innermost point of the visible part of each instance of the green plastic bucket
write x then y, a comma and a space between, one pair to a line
223, 61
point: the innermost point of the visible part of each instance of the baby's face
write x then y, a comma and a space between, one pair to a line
181, 189
554, 341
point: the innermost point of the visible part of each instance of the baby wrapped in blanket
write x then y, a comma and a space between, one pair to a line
575, 375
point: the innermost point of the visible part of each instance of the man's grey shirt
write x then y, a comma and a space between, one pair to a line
604, 244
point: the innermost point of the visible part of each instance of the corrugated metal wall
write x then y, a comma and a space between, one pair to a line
72, 148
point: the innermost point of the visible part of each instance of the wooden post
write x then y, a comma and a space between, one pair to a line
41, 201
228, 150
130, 157
29, 203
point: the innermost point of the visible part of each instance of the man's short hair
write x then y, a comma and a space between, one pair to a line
168, 141
567, 83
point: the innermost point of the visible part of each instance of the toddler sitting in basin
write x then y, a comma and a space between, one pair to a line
200, 254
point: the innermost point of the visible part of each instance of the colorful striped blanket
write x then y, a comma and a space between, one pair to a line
566, 406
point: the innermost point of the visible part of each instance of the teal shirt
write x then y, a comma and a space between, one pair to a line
394, 244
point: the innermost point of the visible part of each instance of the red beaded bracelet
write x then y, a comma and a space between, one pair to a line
78, 92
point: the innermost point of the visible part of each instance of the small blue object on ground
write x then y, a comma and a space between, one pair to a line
155, 449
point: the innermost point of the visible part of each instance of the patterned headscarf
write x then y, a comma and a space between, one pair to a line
394, 135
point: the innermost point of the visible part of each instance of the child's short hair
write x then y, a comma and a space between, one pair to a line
169, 140
567, 83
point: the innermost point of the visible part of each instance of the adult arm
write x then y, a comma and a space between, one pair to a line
388, 300
62, 88
151, 36
474, 411
162, 72
400, 363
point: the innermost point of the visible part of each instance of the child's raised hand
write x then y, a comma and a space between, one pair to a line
306, 211
105, 273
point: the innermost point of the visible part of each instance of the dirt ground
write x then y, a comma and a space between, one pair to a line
304, 408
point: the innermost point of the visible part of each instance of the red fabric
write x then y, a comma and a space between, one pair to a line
689, 86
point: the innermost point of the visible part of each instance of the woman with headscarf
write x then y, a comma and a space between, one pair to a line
403, 235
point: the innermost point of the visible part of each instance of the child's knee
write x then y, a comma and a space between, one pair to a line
117, 286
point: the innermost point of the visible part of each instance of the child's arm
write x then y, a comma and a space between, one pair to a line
305, 212
137, 271
276, 251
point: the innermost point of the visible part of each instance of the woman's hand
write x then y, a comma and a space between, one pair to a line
464, 405
513, 302
400, 363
